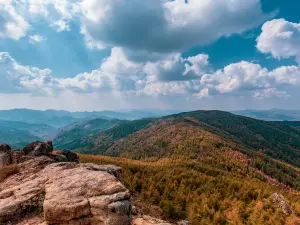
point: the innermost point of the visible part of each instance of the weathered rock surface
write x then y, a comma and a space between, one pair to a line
51, 187
147, 220
280, 202
66, 193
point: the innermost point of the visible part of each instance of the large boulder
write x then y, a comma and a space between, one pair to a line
38, 148
68, 193
42, 148
113, 170
65, 156
30, 147
5, 155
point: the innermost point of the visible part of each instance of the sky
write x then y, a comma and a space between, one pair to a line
85, 55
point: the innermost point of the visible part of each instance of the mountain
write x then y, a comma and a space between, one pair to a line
40, 130
16, 138
49, 117
85, 134
207, 167
275, 139
61, 118
271, 115
19, 133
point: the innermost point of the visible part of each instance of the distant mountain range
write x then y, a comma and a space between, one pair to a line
59, 119
272, 114
18, 134
73, 130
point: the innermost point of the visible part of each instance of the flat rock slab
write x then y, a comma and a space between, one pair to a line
66, 193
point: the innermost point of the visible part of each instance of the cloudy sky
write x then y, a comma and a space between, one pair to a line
151, 54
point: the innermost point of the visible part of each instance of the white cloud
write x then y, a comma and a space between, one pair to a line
12, 25
167, 88
245, 78
36, 39
61, 25
166, 26
173, 76
57, 13
176, 68
280, 38
50, 8
16, 78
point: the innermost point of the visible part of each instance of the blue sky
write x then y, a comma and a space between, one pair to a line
154, 54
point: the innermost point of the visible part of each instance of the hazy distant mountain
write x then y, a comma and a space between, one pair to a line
49, 117
272, 114
56, 118
73, 136
18, 134
42, 131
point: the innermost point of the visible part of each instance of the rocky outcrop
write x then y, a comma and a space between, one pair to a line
64, 156
32, 150
280, 202
38, 148
52, 187
66, 193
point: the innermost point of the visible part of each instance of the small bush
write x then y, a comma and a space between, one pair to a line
7, 171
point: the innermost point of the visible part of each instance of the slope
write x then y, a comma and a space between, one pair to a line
16, 138
73, 136
276, 139
42, 131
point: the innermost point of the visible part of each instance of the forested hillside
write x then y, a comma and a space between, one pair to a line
74, 135
278, 140
18, 134
221, 191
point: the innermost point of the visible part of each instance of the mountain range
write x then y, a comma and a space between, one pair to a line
60, 118
209, 167
271, 114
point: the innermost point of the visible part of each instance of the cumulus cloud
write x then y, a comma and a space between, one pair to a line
280, 38
33, 39
173, 76
165, 26
61, 25
12, 25
18, 78
176, 68
245, 78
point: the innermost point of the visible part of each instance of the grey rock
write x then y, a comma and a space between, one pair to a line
280, 202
